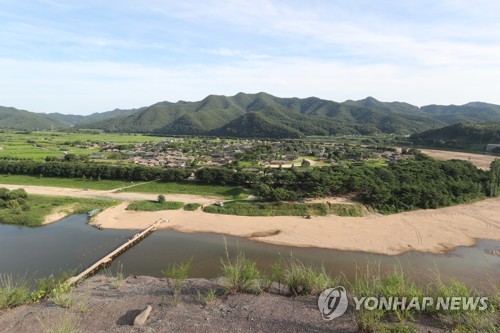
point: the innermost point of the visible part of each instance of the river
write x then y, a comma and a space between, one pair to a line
72, 244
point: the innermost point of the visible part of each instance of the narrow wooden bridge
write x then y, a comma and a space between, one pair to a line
116, 252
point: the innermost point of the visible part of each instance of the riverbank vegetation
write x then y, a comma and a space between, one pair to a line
153, 206
254, 208
191, 207
191, 187
17, 207
289, 276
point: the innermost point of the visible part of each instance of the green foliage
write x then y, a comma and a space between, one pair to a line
494, 178
176, 274
225, 191
191, 206
24, 120
62, 182
13, 291
460, 136
304, 280
153, 206
31, 211
249, 208
241, 273
92, 170
161, 199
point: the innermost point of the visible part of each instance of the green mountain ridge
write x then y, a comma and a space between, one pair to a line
460, 134
264, 115
277, 117
12, 118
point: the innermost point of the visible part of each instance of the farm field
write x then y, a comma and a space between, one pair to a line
39, 145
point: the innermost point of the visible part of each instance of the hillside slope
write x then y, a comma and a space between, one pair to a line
13, 118
264, 115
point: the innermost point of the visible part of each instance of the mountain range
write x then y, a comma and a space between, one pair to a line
261, 115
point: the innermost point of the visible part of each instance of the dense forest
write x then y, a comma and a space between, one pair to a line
460, 136
403, 185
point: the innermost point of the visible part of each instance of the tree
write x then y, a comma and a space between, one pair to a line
305, 163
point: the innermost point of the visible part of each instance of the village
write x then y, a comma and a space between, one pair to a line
251, 155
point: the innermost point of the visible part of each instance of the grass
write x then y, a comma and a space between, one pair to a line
241, 273
49, 143
66, 323
13, 291
305, 280
192, 206
188, 187
176, 274
41, 206
207, 298
252, 208
153, 206
17, 290
117, 278
103, 184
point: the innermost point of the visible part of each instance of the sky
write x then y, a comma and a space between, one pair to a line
90, 56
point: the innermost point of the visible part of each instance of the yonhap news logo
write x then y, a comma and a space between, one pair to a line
333, 302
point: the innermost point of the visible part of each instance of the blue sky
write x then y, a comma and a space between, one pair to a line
90, 56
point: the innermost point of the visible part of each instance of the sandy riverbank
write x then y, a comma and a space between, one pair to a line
423, 230
123, 196
436, 230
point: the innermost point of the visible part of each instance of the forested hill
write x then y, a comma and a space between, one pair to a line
25, 120
461, 134
264, 115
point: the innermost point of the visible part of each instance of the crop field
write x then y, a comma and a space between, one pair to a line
39, 145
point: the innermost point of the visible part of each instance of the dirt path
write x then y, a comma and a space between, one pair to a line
112, 194
437, 230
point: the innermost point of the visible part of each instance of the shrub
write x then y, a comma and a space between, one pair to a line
192, 206
161, 198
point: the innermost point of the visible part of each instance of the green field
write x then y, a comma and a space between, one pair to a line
41, 206
228, 192
250, 208
63, 182
38, 145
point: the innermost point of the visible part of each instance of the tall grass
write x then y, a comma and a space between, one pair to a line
13, 291
176, 274
304, 280
241, 273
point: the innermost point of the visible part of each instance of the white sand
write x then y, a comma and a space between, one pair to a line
423, 230
436, 230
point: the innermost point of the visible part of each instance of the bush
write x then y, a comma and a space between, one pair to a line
153, 206
192, 206
161, 198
